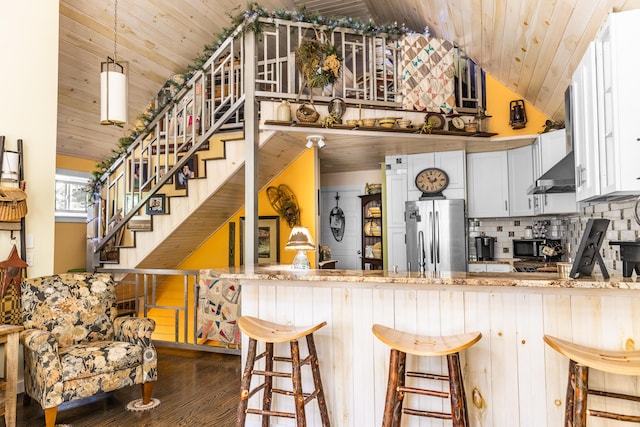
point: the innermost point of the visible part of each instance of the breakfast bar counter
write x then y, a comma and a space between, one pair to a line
511, 377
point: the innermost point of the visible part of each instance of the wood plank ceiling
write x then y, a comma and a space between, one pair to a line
531, 46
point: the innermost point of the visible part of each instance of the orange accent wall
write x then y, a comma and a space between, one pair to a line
498, 100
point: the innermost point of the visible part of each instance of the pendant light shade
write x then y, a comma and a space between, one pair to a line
113, 84
113, 93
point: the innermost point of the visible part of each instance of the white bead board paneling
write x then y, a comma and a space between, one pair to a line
519, 381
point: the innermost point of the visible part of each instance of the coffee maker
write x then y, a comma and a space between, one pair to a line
484, 248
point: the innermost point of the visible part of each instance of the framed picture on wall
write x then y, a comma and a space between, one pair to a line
268, 240
157, 205
188, 171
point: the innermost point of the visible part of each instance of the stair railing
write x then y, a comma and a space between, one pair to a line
212, 100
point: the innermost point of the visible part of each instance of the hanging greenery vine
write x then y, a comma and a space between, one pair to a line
251, 20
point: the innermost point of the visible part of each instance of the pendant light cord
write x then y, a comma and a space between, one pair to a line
115, 32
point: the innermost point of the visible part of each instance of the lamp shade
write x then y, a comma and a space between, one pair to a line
113, 94
300, 239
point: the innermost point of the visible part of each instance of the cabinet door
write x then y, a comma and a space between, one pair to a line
396, 196
498, 268
521, 177
487, 175
585, 105
619, 147
453, 162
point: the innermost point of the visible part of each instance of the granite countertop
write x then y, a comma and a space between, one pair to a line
380, 278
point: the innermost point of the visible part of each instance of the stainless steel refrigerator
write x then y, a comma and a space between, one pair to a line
436, 238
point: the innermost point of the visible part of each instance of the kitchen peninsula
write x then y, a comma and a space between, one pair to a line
511, 377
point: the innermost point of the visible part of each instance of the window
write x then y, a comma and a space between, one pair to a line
71, 196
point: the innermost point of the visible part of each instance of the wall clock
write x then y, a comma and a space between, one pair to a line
432, 181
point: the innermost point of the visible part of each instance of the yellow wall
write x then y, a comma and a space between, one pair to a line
299, 176
70, 243
498, 107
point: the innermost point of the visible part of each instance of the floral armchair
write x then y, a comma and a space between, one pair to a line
75, 347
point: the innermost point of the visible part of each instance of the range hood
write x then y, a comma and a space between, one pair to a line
559, 179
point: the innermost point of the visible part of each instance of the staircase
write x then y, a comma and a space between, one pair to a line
208, 111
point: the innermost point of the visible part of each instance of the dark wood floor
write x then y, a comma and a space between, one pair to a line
194, 388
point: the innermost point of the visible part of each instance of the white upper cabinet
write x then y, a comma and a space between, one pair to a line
488, 182
606, 135
452, 162
521, 177
619, 146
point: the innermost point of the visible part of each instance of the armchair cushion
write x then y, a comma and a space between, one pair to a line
99, 357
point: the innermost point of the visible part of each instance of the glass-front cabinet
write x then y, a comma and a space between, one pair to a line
371, 231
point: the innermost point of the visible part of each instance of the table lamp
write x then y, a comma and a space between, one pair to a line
300, 240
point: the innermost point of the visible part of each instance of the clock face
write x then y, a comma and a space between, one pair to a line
432, 181
457, 123
435, 120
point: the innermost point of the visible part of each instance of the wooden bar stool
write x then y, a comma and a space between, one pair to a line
270, 333
402, 343
582, 358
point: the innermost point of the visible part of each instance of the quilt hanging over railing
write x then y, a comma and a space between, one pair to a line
428, 74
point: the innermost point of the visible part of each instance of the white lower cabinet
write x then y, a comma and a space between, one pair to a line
489, 268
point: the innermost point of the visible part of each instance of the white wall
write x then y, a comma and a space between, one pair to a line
28, 111
352, 178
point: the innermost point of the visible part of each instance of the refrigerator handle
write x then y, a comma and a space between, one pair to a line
431, 237
437, 237
421, 255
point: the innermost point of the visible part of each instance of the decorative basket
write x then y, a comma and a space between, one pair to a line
13, 204
307, 113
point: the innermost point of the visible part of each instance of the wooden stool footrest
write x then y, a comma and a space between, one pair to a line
614, 416
272, 374
424, 392
308, 397
615, 395
273, 413
3, 385
304, 361
429, 414
428, 376
255, 390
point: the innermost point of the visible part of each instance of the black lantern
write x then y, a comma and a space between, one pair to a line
517, 115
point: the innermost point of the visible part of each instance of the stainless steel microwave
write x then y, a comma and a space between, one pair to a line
528, 248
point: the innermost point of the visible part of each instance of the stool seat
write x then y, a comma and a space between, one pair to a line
262, 330
424, 345
448, 347
615, 362
272, 335
581, 360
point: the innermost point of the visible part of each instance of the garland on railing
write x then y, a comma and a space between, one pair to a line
251, 20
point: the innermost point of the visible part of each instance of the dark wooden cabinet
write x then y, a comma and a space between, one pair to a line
371, 231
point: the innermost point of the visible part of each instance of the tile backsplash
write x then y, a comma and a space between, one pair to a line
623, 226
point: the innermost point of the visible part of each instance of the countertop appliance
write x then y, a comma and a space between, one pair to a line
436, 239
484, 248
540, 250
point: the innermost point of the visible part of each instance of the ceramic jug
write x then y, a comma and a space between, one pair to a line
284, 111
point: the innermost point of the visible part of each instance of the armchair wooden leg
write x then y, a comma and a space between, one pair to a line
147, 388
50, 415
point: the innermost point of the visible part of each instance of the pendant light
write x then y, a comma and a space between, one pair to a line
113, 84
